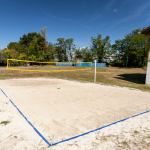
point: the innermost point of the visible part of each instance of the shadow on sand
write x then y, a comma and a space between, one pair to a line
138, 78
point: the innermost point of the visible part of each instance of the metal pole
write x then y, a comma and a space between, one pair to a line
7, 63
95, 72
127, 62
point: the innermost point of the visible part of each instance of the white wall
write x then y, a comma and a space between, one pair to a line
148, 68
148, 73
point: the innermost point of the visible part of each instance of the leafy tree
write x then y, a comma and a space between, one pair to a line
14, 53
69, 43
3, 57
24, 42
8, 54
77, 52
22, 56
12, 45
135, 47
99, 47
63, 46
32, 58
35, 47
52, 50
45, 45
59, 54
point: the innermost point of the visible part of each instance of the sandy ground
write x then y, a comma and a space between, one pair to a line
74, 109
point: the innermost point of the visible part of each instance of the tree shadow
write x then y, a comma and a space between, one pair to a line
138, 78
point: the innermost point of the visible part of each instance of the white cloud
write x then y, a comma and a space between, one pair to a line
94, 18
54, 17
115, 10
108, 6
136, 14
81, 48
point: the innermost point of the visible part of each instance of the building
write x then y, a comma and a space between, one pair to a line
147, 33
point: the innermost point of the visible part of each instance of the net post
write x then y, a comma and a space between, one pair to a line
7, 63
95, 73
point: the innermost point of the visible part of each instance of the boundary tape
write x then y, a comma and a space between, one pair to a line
48, 70
74, 136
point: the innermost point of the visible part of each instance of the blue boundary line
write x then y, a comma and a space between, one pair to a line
28, 121
100, 128
74, 136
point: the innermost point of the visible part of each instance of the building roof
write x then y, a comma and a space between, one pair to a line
146, 31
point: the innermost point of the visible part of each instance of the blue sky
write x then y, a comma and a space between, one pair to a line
77, 19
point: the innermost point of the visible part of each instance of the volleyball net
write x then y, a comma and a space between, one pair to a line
25, 65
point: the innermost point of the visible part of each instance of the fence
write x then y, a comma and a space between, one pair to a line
81, 64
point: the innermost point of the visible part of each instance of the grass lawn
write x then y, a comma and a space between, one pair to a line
131, 77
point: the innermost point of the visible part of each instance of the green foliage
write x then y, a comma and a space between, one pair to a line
40, 58
14, 53
99, 47
135, 47
86, 54
69, 44
12, 45
59, 54
5, 122
47, 56
8, 54
34, 46
3, 58
63, 46
22, 56
32, 58
51, 50
45, 44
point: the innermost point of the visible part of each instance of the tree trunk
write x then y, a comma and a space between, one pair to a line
43, 48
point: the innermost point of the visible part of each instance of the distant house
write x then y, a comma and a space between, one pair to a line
109, 58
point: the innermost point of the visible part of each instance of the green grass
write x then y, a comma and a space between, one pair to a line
131, 77
5, 122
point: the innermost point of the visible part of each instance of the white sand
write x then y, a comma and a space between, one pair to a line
74, 109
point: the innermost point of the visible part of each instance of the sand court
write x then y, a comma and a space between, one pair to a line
76, 107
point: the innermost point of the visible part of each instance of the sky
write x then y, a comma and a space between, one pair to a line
77, 19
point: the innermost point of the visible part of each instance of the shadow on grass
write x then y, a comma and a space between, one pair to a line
138, 78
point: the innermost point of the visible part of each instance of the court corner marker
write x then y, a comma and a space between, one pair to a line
74, 136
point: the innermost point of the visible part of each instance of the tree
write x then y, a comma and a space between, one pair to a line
14, 53
52, 50
12, 45
24, 42
3, 58
59, 53
77, 52
135, 47
69, 43
22, 56
36, 46
63, 46
8, 54
86, 54
32, 58
99, 47
45, 45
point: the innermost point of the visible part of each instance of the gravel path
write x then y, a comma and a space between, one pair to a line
2, 68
